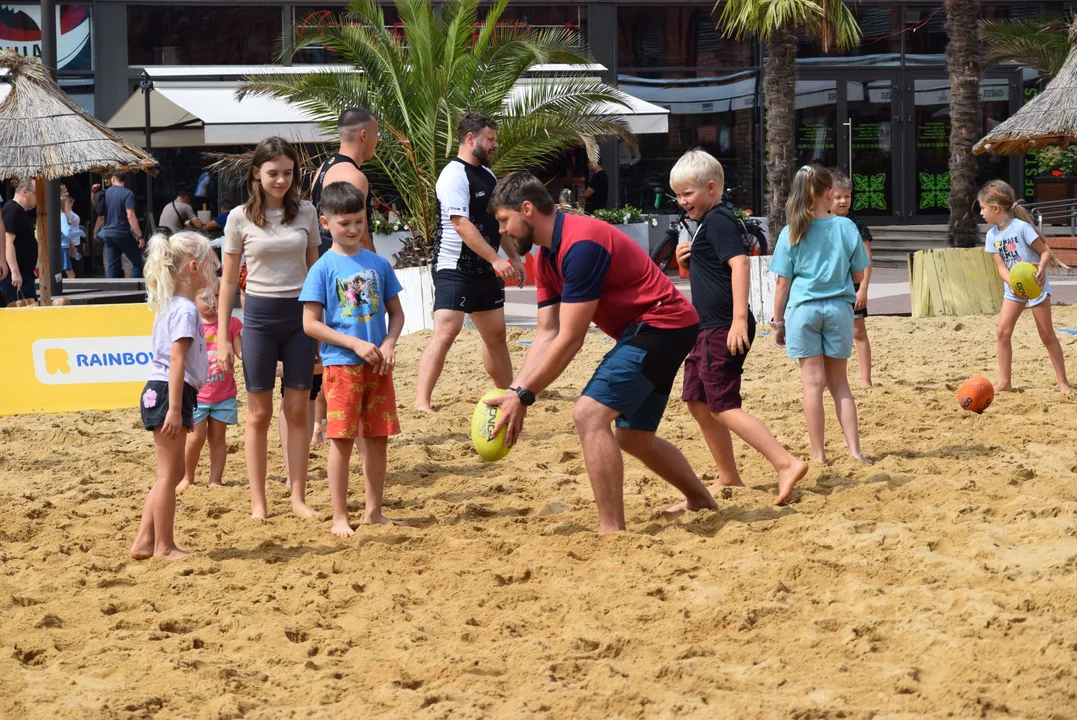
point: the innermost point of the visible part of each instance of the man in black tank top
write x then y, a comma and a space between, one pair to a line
358, 131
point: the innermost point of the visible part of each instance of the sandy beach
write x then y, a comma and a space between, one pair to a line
939, 582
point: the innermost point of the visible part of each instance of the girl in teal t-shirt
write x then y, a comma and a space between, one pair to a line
818, 257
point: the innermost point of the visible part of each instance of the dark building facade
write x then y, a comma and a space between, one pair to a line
878, 111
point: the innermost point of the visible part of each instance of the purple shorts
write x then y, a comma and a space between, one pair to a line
711, 373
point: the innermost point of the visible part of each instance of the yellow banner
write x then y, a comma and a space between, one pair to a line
63, 359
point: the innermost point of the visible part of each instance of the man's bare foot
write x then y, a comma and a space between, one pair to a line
860, 457
788, 478
172, 553
379, 519
1003, 387
142, 549
687, 505
183, 485
342, 528
213, 485
428, 409
303, 510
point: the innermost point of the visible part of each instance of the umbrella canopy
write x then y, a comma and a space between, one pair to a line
1049, 119
44, 133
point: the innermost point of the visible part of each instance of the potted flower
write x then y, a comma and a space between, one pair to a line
1056, 170
632, 222
389, 233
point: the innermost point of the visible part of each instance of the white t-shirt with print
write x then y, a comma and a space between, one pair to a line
1014, 244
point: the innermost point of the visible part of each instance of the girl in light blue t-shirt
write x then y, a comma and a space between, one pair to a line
1013, 239
818, 257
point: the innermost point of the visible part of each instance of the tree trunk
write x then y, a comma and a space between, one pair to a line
779, 98
43, 210
963, 62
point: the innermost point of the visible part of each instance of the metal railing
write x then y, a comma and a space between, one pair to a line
1054, 210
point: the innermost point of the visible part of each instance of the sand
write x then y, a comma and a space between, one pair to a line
939, 582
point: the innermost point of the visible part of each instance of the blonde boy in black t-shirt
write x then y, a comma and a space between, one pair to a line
720, 283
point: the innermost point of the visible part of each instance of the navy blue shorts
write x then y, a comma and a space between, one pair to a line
636, 377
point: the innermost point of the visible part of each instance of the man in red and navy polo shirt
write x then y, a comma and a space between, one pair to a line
591, 272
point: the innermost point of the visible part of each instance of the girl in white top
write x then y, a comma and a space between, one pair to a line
1013, 239
178, 269
278, 235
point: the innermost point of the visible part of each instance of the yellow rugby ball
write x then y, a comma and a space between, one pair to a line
483, 421
1023, 281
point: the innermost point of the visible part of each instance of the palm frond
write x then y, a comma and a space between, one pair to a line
829, 20
1040, 43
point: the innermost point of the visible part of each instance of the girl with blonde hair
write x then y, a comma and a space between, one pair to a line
1013, 238
178, 269
817, 258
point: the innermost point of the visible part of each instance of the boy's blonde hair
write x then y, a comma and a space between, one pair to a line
167, 255
697, 168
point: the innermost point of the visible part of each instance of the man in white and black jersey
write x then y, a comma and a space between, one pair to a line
469, 275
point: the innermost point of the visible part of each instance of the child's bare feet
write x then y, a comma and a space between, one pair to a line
142, 549
1064, 387
172, 553
303, 510
819, 458
865, 383
376, 518
342, 528
1003, 387
860, 457
428, 409
788, 477
183, 485
213, 485
258, 510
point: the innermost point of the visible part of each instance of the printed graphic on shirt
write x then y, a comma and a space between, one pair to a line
1007, 248
358, 295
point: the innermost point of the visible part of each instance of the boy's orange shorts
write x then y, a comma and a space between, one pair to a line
359, 401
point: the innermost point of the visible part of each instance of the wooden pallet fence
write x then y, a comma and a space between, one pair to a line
953, 281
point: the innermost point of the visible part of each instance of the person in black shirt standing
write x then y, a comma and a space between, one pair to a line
597, 194
20, 245
358, 131
720, 283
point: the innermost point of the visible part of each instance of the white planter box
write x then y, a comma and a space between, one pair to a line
388, 245
416, 298
640, 232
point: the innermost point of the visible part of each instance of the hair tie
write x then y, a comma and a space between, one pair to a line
807, 169
1015, 204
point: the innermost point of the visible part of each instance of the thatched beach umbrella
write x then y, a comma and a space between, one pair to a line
45, 135
1049, 119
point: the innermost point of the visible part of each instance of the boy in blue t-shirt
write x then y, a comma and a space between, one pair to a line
347, 296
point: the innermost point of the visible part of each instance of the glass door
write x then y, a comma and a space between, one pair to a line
869, 156
848, 121
927, 181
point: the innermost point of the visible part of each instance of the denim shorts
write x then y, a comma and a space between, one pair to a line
635, 377
226, 411
820, 327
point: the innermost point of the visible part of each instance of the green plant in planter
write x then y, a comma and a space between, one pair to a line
1057, 161
627, 215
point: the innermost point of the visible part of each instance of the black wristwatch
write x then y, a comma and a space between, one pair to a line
527, 398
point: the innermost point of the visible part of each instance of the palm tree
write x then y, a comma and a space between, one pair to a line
1039, 43
777, 22
963, 61
449, 63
